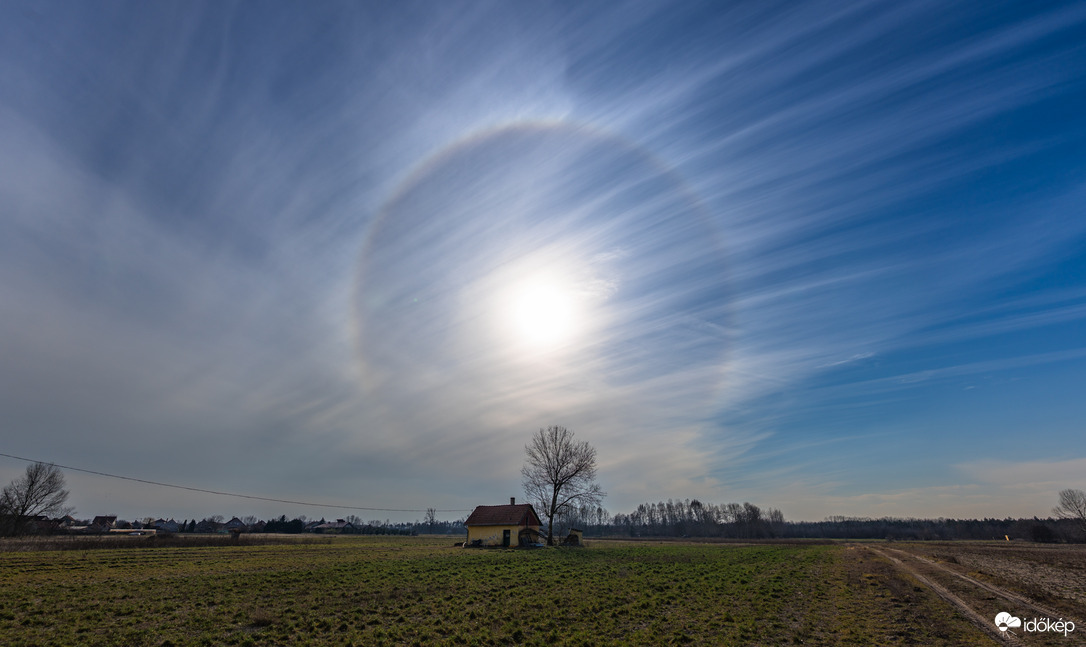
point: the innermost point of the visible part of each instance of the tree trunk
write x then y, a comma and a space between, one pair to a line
550, 518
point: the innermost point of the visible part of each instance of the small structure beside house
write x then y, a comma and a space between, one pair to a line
531, 537
503, 525
574, 538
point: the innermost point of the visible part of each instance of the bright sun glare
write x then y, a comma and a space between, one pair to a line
543, 313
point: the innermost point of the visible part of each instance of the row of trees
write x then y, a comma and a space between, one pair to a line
40, 493
683, 518
692, 518
560, 480
559, 477
1035, 529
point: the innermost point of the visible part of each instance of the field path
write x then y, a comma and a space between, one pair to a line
985, 624
1003, 593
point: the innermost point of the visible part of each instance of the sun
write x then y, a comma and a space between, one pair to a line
543, 313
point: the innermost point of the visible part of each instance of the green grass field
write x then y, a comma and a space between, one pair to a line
423, 591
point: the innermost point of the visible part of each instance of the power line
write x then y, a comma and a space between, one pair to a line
216, 492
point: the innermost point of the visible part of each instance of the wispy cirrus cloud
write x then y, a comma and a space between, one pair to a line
275, 248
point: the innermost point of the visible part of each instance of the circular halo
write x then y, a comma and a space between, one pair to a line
456, 291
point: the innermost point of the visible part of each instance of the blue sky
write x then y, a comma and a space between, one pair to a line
826, 257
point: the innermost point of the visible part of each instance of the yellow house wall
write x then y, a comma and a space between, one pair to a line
492, 535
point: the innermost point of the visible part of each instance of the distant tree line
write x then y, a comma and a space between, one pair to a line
688, 518
34, 503
1035, 529
215, 525
682, 518
692, 518
357, 526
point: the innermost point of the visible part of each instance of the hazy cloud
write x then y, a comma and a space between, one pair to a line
282, 250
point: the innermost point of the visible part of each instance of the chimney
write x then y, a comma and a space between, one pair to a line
512, 500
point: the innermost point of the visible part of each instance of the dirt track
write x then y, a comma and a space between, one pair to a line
979, 600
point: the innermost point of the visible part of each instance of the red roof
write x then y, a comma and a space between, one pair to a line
521, 514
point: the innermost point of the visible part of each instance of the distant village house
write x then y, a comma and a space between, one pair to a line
103, 523
338, 526
166, 525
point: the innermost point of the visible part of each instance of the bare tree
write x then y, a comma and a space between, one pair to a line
559, 474
40, 491
431, 519
1072, 506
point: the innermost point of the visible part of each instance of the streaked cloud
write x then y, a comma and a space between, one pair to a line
275, 249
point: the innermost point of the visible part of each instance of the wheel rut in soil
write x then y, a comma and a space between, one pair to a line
984, 624
974, 597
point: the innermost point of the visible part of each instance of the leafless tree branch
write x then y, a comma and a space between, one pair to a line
39, 491
559, 474
1072, 506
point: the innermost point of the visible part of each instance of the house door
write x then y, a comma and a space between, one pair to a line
505, 538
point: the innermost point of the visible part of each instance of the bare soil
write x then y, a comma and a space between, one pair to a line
982, 579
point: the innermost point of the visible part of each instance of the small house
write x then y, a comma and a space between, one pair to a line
209, 526
338, 526
104, 523
166, 525
42, 524
502, 525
